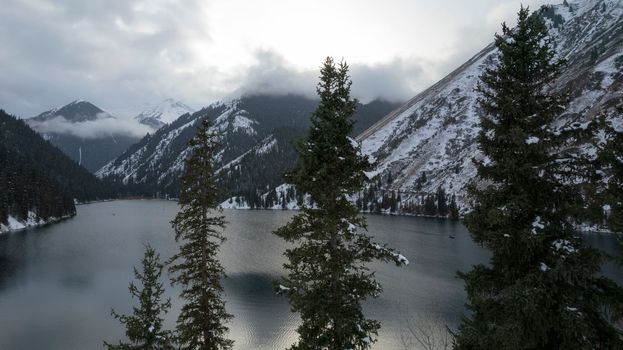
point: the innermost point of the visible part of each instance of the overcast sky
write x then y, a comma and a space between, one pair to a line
121, 54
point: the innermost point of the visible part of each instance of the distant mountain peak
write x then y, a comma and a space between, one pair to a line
76, 111
86, 133
163, 113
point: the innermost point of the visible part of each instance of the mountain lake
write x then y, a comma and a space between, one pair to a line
58, 283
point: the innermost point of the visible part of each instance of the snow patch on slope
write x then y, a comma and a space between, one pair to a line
13, 224
165, 112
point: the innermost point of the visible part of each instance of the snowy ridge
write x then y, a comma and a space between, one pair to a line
163, 113
129, 167
435, 132
163, 154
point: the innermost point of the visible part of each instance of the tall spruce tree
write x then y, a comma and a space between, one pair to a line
453, 208
611, 158
328, 277
144, 328
442, 202
609, 201
541, 289
196, 268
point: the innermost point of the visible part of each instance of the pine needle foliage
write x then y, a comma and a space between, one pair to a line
542, 288
611, 159
144, 328
198, 227
327, 274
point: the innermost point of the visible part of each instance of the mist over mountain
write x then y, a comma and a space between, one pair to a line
86, 133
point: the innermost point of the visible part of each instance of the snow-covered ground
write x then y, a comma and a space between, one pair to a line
32, 221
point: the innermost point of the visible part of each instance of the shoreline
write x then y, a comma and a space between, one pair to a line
32, 225
584, 229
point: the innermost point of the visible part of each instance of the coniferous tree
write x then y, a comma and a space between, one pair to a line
609, 200
430, 206
144, 328
611, 158
541, 289
328, 277
442, 202
196, 268
453, 208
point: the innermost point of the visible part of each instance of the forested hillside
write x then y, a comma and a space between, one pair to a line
38, 183
86, 133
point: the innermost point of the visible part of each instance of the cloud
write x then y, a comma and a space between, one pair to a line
107, 51
397, 80
104, 126
272, 75
122, 53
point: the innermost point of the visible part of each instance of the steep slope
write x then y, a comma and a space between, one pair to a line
261, 168
432, 136
163, 113
153, 165
38, 183
86, 133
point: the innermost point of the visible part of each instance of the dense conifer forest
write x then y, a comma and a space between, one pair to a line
37, 177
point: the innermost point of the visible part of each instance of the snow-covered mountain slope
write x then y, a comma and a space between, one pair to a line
86, 133
163, 113
434, 133
155, 163
257, 135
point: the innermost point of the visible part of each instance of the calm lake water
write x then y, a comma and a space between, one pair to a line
58, 283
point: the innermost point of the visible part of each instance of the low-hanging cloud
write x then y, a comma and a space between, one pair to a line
272, 75
104, 126
396, 81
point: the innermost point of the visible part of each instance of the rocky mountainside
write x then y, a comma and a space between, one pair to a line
430, 141
257, 140
163, 113
86, 133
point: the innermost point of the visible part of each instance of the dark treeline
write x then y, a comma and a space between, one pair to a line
372, 199
37, 177
26, 187
375, 199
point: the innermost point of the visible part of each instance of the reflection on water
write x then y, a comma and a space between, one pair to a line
59, 282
